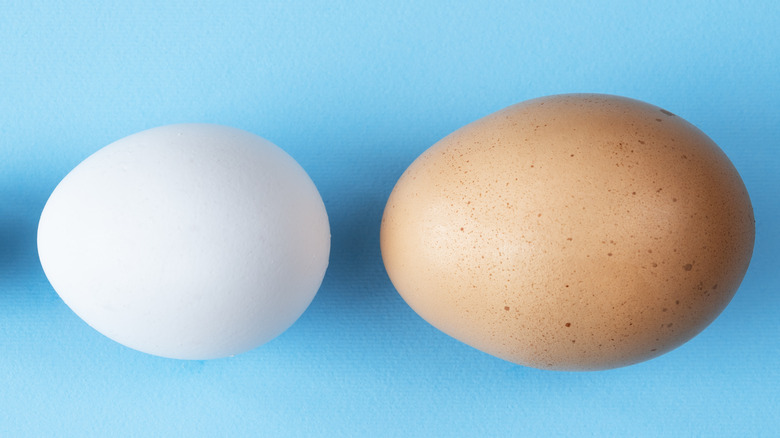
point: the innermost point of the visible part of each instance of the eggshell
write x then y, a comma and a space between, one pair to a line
189, 241
570, 232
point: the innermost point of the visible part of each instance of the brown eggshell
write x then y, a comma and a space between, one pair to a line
570, 232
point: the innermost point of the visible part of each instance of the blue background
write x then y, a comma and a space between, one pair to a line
355, 91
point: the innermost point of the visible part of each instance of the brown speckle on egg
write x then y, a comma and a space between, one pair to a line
662, 249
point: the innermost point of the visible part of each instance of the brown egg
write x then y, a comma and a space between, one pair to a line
570, 232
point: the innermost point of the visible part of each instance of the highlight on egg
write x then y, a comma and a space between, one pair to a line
570, 232
190, 241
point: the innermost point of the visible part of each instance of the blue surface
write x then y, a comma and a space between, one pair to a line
355, 91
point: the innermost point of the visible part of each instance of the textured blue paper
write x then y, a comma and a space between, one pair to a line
355, 91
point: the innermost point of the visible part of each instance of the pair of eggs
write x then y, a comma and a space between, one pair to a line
570, 232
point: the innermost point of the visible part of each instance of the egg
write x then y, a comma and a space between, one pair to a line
190, 241
570, 232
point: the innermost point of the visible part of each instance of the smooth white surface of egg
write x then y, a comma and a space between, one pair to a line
190, 241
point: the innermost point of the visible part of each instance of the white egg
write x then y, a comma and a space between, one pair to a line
189, 241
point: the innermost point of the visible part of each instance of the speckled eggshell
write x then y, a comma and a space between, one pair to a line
570, 232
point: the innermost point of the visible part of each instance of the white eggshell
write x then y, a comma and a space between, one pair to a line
189, 241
